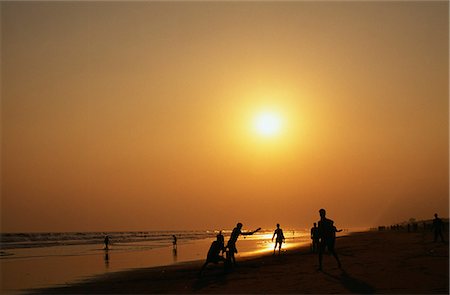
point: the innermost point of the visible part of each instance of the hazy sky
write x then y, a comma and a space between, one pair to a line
139, 115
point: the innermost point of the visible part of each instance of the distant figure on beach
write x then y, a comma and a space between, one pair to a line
279, 238
327, 235
315, 238
437, 227
231, 245
106, 241
174, 242
215, 253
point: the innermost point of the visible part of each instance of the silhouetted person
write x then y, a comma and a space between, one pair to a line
174, 242
231, 245
106, 241
327, 236
279, 238
315, 238
437, 227
215, 253
221, 239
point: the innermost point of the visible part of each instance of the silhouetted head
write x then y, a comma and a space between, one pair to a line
315, 224
278, 225
239, 225
435, 215
220, 236
322, 213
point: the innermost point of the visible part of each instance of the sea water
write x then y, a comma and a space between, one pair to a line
37, 260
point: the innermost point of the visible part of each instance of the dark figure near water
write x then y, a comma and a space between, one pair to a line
314, 238
106, 241
327, 235
215, 253
279, 238
231, 245
437, 227
174, 242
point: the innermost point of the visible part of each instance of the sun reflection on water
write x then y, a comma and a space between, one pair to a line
264, 243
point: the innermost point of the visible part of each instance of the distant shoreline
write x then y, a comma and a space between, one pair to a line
373, 262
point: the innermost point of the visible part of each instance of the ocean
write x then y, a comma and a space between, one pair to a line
49, 239
38, 260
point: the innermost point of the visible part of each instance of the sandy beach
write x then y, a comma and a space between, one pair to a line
373, 262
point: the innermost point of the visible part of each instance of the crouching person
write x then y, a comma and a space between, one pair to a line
215, 253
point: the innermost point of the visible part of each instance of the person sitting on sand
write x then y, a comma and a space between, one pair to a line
437, 227
231, 245
327, 235
314, 238
214, 255
279, 238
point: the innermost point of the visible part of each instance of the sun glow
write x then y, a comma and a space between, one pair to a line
268, 124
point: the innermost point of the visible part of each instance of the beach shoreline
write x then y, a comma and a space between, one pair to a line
46, 267
373, 262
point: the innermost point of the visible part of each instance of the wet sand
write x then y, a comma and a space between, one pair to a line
373, 262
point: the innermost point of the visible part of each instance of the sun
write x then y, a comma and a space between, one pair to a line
268, 124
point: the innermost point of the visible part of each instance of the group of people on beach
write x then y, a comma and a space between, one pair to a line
323, 237
218, 248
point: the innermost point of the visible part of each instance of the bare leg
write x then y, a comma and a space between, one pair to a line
321, 250
232, 258
331, 248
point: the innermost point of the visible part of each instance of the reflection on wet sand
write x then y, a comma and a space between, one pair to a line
106, 258
174, 254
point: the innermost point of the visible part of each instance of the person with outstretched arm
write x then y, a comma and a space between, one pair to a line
231, 245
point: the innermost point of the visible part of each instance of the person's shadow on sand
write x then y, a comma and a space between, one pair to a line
351, 284
213, 278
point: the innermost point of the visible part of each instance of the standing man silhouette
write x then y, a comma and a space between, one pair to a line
279, 238
174, 242
327, 237
106, 241
315, 238
437, 227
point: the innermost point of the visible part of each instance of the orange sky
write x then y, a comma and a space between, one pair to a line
138, 116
